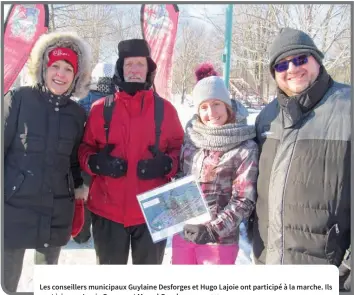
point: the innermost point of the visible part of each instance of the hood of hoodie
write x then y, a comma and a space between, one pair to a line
37, 64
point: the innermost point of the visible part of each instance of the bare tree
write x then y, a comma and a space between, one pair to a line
255, 26
201, 38
192, 48
101, 25
329, 26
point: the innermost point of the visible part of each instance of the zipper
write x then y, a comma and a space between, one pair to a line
283, 196
45, 140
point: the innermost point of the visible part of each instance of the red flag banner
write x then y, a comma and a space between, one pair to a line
159, 26
24, 24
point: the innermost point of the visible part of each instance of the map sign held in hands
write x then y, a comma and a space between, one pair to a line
168, 208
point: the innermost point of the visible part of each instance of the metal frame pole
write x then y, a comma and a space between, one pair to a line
228, 40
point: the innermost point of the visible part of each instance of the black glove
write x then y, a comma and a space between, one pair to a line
104, 164
250, 226
159, 166
199, 234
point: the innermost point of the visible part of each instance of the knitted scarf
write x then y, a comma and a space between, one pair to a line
219, 138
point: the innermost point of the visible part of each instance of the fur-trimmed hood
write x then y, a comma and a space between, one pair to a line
38, 60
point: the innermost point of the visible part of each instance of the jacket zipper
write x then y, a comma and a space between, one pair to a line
283, 197
337, 228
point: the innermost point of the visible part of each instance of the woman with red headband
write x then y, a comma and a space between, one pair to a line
42, 131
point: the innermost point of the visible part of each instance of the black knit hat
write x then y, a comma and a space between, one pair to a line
292, 42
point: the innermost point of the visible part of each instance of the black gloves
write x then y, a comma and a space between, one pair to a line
250, 226
159, 166
104, 164
199, 234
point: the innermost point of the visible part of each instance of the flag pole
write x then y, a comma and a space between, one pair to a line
227, 48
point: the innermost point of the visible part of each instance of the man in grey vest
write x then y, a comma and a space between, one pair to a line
303, 208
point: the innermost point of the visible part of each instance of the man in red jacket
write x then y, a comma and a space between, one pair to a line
124, 165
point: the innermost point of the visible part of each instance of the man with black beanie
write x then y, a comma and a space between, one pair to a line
303, 209
127, 157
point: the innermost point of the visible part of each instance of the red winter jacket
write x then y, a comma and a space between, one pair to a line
132, 130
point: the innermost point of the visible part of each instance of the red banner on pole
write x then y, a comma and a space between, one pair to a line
159, 26
24, 24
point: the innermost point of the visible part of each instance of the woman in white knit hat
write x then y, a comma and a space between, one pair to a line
219, 150
101, 85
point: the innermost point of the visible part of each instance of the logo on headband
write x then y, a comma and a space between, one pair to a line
58, 52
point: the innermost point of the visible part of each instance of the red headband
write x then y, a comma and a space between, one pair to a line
63, 53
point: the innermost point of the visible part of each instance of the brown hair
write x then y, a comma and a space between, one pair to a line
231, 116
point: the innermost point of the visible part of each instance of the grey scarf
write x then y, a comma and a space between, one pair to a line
220, 138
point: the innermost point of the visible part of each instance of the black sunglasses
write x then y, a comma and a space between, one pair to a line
297, 61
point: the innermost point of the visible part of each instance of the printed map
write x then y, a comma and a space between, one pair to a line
174, 207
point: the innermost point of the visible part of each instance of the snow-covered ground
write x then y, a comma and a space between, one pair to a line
74, 253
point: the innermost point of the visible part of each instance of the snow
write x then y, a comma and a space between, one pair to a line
84, 254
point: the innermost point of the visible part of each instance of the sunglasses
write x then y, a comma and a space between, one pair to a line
297, 61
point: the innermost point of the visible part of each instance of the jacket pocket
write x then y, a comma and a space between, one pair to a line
11, 190
65, 147
333, 251
29, 143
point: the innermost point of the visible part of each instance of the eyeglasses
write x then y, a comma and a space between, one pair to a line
297, 61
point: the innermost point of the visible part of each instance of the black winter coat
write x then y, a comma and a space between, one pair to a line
303, 206
42, 133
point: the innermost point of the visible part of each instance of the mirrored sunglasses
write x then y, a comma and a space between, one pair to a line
297, 61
